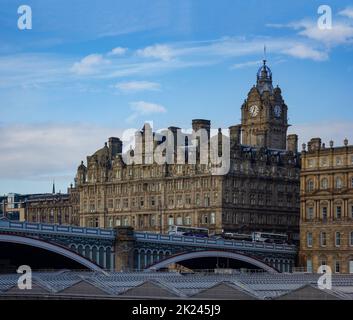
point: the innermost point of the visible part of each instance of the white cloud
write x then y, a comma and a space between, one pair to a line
89, 64
347, 12
118, 51
246, 64
158, 51
134, 86
31, 152
141, 108
303, 51
341, 32
335, 130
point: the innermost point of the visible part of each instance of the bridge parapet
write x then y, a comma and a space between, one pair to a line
57, 229
214, 243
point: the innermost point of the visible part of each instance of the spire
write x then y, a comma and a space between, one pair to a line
53, 191
264, 77
265, 58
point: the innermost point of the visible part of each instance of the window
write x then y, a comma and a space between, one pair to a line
324, 162
323, 239
170, 220
324, 213
324, 184
351, 182
351, 211
309, 239
338, 183
310, 213
179, 221
213, 218
188, 220
205, 219
351, 238
338, 239
309, 265
338, 212
337, 267
207, 200
310, 185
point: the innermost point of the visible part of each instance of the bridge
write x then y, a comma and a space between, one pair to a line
122, 248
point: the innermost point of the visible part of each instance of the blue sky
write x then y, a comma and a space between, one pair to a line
88, 70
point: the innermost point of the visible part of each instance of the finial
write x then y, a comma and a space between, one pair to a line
331, 143
264, 55
345, 142
304, 146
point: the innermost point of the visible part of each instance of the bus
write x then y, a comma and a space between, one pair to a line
188, 231
270, 237
236, 236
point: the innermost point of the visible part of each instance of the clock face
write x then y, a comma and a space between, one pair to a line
254, 110
277, 110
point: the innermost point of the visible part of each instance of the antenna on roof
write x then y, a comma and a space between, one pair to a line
265, 58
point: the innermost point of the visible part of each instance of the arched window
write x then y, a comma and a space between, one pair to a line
338, 183
213, 218
324, 184
338, 211
310, 213
179, 220
205, 219
310, 185
188, 220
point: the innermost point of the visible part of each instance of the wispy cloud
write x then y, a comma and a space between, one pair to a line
142, 108
245, 64
118, 51
303, 51
48, 149
158, 51
134, 86
89, 64
347, 12
336, 130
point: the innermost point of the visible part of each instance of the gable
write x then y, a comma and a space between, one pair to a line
84, 288
309, 292
225, 292
148, 289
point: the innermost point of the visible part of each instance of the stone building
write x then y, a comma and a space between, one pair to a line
52, 208
259, 192
326, 224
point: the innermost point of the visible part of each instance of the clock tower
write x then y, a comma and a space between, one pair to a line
264, 114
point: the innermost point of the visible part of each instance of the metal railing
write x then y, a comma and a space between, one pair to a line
57, 229
219, 243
